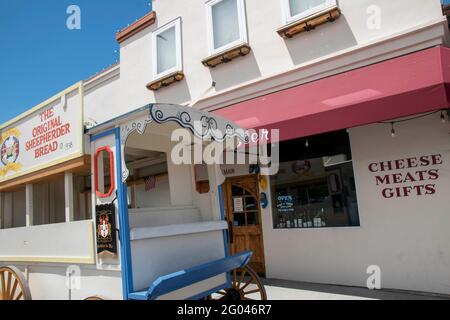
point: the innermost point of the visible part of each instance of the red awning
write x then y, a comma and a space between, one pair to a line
411, 84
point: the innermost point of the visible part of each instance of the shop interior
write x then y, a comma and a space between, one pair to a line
315, 185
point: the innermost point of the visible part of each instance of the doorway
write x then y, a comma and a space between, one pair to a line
242, 206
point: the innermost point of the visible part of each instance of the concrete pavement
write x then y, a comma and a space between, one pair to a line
290, 290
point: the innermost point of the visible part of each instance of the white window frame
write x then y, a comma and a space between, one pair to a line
286, 9
178, 47
243, 39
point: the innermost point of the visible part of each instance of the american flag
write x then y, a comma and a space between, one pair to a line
150, 183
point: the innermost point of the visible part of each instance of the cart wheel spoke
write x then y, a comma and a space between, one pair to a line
247, 284
8, 286
13, 284
243, 272
252, 291
237, 290
14, 288
3, 285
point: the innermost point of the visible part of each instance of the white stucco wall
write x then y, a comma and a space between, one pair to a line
347, 43
102, 96
406, 237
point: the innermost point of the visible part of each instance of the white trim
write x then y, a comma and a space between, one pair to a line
101, 78
176, 230
243, 38
178, 47
286, 10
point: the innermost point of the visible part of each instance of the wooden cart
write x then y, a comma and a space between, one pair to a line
176, 251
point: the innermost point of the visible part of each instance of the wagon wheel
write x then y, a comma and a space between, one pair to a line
13, 285
94, 298
245, 285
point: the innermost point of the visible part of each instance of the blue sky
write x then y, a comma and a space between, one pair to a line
39, 56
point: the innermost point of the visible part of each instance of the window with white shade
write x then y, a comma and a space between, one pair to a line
167, 49
226, 24
299, 9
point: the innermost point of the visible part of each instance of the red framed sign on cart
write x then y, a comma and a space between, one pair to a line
98, 153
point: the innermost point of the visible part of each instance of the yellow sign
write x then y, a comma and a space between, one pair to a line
46, 135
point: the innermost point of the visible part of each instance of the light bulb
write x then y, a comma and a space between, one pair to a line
307, 143
392, 130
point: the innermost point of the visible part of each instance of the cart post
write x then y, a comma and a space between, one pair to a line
112, 194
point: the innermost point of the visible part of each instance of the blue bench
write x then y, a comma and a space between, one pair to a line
180, 279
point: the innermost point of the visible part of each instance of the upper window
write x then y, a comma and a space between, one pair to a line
226, 24
167, 49
298, 9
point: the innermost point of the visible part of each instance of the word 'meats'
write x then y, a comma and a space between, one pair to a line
413, 176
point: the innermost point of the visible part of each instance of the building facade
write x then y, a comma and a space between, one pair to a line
358, 90
275, 63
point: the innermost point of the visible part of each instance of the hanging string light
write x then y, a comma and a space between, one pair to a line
393, 123
307, 143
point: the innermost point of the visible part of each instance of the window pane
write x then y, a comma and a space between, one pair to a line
299, 6
252, 218
225, 23
239, 219
237, 191
166, 50
251, 203
314, 187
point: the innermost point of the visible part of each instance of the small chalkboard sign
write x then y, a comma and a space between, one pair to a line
106, 228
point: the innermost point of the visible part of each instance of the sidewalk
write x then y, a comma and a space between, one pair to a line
290, 290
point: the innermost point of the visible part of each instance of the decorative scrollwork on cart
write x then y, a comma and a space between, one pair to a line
201, 125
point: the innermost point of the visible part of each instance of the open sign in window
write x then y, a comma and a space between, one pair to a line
104, 172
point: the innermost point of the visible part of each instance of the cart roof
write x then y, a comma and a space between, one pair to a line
185, 117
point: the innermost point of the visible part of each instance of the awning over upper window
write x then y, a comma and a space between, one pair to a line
411, 84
